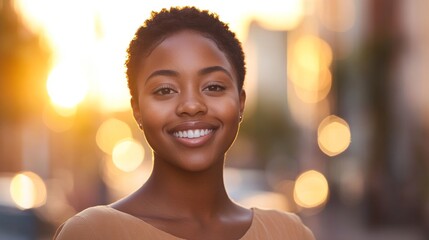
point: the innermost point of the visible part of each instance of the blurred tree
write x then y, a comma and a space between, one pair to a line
23, 70
24, 63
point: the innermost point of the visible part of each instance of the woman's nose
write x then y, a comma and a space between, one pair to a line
191, 104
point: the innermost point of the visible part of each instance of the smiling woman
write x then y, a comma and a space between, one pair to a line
185, 72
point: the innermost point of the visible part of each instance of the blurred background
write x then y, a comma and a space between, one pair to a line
336, 127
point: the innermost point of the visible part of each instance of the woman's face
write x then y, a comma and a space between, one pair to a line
188, 101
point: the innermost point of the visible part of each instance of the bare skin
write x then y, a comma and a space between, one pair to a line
187, 83
202, 212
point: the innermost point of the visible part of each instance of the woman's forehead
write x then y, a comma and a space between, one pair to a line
187, 39
186, 48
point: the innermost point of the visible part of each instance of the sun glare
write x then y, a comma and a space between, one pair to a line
67, 85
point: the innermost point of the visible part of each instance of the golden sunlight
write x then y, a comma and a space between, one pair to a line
95, 42
67, 85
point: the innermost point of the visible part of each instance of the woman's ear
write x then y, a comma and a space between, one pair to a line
242, 101
136, 111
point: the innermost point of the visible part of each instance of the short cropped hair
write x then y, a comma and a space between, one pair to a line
166, 22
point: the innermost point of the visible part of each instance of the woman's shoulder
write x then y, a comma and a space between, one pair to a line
88, 224
281, 223
95, 212
274, 215
107, 223
91, 215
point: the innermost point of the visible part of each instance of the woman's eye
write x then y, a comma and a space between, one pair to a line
165, 91
215, 88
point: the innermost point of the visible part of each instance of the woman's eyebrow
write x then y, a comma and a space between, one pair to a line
204, 71
211, 69
162, 72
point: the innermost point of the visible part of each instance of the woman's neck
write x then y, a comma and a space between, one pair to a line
188, 194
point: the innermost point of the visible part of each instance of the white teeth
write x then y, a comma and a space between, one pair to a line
192, 133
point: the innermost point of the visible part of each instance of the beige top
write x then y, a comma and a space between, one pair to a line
104, 222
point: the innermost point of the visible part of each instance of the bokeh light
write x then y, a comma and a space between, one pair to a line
110, 132
333, 135
308, 68
311, 189
310, 53
128, 154
28, 190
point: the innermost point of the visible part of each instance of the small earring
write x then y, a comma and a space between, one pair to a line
241, 117
140, 126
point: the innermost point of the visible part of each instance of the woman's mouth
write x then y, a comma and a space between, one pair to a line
192, 133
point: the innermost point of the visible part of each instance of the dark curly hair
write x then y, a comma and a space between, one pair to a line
166, 22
